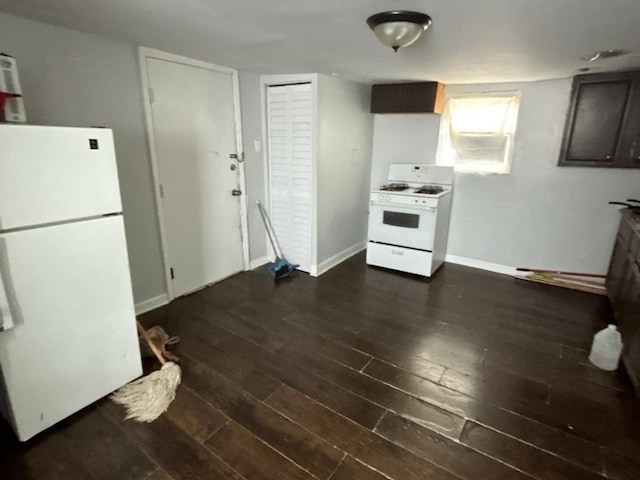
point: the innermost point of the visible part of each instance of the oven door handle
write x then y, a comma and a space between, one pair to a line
395, 205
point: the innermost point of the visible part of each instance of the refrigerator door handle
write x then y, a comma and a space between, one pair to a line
6, 321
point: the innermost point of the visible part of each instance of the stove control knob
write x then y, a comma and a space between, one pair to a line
380, 197
388, 198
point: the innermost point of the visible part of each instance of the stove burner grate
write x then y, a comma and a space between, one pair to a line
429, 190
395, 187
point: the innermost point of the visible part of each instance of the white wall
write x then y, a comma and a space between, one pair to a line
251, 111
345, 129
402, 138
75, 79
540, 215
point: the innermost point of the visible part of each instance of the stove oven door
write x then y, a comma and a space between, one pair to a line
403, 225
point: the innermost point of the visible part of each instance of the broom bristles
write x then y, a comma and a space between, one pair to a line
149, 397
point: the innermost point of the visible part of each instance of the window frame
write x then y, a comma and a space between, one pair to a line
448, 153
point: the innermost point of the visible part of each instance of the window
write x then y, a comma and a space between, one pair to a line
477, 131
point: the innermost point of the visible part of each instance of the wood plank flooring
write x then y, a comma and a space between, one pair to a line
369, 374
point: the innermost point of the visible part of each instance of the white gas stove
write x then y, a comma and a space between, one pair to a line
409, 218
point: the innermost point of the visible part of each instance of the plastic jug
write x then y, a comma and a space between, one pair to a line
606, 348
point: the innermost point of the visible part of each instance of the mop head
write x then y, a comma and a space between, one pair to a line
149, 397
281, 269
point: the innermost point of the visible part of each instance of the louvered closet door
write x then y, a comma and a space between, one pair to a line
290, 169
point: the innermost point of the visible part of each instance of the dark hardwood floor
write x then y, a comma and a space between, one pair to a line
365, 374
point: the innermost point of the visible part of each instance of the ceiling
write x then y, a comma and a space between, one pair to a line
470, 41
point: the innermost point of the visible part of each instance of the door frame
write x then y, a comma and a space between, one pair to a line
145, 53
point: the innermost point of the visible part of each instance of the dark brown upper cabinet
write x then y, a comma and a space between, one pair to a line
602, 125
418, 97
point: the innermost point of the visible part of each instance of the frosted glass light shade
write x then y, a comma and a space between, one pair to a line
398, 34
400, 28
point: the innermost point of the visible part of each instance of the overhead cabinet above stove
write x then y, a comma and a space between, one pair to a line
416, 97
603, 124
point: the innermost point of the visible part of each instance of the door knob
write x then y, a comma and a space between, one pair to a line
236, 193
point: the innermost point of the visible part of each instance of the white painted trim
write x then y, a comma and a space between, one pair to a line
144, 79
151, 303
480, 264
244, 218
340, 257
172, 57
266, 201
143, 54
315, 128
258, 262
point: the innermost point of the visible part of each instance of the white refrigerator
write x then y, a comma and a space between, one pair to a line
67, 321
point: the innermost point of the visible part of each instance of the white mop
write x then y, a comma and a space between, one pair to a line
149, 397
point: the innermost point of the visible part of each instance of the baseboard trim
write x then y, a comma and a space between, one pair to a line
151, 303
331, 262
258, 262
482, 265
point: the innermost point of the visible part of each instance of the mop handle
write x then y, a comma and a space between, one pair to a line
152, 346
272, 236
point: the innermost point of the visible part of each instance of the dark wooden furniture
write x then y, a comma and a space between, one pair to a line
364, 374
602, 127
418, 97
623, 288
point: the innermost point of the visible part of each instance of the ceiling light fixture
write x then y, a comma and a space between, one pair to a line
602, 54
399, 28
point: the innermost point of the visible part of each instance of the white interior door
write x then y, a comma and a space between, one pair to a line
193, 112
289, 132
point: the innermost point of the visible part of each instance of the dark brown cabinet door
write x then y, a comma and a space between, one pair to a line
599, 107
623, 288
386, 98
603, 121
418, 97
630, 325
617, 271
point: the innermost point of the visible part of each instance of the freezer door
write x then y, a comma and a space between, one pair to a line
74, 339
54, 174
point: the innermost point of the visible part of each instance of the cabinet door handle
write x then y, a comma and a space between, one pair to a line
607, 157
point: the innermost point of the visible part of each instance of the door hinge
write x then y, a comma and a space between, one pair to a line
161, 191
172, 275
152, 97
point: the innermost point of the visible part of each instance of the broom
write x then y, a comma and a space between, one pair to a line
281, 268
149, 397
